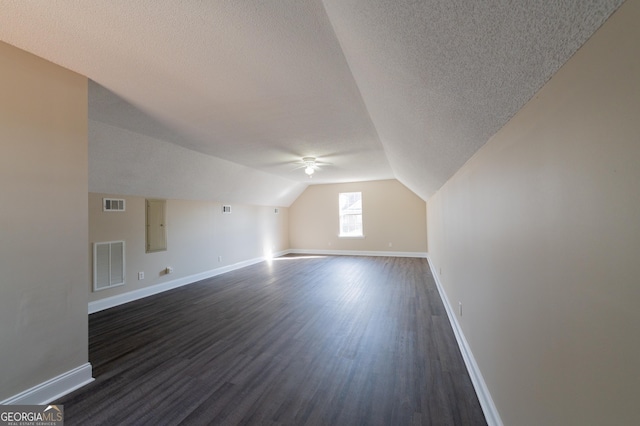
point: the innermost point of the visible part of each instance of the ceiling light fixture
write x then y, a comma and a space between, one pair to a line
310, 163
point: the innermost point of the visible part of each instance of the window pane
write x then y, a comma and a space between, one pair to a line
350, 205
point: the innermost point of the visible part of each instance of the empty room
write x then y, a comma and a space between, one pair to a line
320, 212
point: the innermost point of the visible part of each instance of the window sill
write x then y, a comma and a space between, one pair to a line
352, 237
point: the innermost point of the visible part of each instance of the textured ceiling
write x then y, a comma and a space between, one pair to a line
231, 94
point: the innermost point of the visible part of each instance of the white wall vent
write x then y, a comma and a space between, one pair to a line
226, 209
108, 265
113, 205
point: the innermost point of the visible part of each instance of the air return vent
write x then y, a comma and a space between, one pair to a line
108, 265
226, 209
112, 205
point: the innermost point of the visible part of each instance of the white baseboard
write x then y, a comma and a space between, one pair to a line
119, 299
54, 388
486, 402
359, 253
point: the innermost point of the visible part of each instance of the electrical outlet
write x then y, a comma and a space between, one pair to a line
390, 244
219, 258
460, 308
141, 275
169, 270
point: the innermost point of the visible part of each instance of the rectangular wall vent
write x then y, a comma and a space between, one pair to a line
112, 205
226, 209
108, 265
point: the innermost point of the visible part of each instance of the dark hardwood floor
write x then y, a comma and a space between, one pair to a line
299, 341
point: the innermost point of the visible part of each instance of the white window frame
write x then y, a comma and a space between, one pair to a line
351, 213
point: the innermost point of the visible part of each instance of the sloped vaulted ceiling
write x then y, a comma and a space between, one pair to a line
221, 99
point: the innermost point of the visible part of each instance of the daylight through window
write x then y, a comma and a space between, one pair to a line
350, 214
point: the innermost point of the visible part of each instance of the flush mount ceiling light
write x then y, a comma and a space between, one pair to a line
310, 164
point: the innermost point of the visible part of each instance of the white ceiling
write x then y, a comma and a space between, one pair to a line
221, 99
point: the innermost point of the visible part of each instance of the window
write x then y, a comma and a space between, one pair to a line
350, 214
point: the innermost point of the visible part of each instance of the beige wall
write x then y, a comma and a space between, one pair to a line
197, 233
43, 221
392, 214
539, 236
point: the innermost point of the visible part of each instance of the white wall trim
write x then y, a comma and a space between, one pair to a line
54, 388
359, 253
119, 299
486, 402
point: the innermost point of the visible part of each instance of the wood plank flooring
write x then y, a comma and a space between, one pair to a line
302, 340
